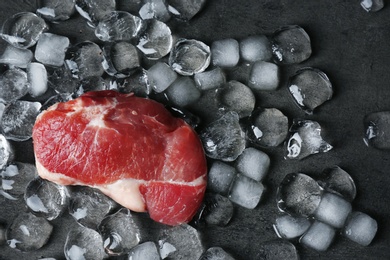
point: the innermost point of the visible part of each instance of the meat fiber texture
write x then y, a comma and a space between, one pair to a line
130, 148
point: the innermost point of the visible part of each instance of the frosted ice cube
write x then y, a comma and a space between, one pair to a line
144, 251
337, 180
185, 9
291, 45
22, 30
189, 57
155, 9
246, 192
15, 178
95, 10
276, 250
160, 76
37, 76
83, 243
256, 47
360, 228
13, 85
210, 79
28, 232
333, 210
183, 92
372, 5
305, 139
225, 53
253, 163
216, 210
299, 194
290, 227
264, 76
319, 236
235, 96
17, 57
223, 139
220, 177
377, 129
51, 49
61, 80
7, 152
216, 253
56, 10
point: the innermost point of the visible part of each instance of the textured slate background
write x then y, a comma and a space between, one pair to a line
351, 46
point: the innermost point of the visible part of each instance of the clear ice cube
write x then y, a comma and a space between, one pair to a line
225, 53
62, 81
189, 57
7, 153
17, 57
360, 228
253, 163
216, 210
13, 85
51, 48
119, 232
220, 177
256, 47
224, 139
161, 76
310, 88
15, 178
210, 79
276, 250
216, 253
18, 120
28, 232
22, 30
377, 129
246, 192
372, 5
95, 10
183, 92
83, 243
37, 76
264, 76
299, 194
289, 227
56, 10
145, 251
267, 127
318, 237
236, 96
207, 107
137, 82
291, 45
305, 139
185, 9
155, 9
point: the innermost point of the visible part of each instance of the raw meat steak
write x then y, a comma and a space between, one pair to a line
130, 148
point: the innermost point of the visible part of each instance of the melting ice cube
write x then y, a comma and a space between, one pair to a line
16, 177
13, 85
360, 228
319, 236
246, 192
253, 163
95, 10
7, 153
144, 251
83, 243
276, 249
155, 9
372, 5
220, 177
183, 92
51, 49
13, 56
264, 76
290, 227
56, 10
161, 76
225, 53
37, 76
210, 79
216, 210
377, 126
256, 47
216, 253
185, 9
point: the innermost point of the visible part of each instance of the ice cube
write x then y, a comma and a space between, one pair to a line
220, 177
55, 99
216, 210
61, 80
360, 228
155, 9
225, 53
299, 194
377, 127
235, 96
119, 26
144, 251
207, 107
305, 139
15, 178
180, 242
289, 227
83, 243
91, 84
137, 82
318, 237
51, 48
276, 250
187, 9
156, 41
18, 120
189, 57
253, 163
28, 232
256, 47
246, 192
95, 10
333, 210
22, 30
17, 57
268, 127
183, 92
223, 139
291, 45
372, 5
7, 153
56, 10
13, 85
310, 88
160, 76
37, 76
216, 253
240, 73
210, 79
264, 76
337, 180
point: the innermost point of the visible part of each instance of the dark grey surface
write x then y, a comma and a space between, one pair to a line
351, 46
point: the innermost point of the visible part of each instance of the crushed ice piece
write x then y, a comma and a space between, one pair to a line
291, 45
15, 178
7, 153
220, 177
289, 227
46, 199
28, 232
210, 79
156, 41
246, 192
56, 10
319, 236
276, 250
61, 80
333, 210
223, 139
305, 139
377, 129
83, 243
18, 120
225, 53
236, 96
264, 76
161, 76
22, 30
145, 251
95, 10
137, 82
360, 228
372, 5
155, 9
255, 48
216, 210
310, 88
337, 180
268, 127
298, 194
37, 76
216, 253
183, 92
51, 48
119, 26
253, 163
13, 85
185, 9
17, 57
189, 57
